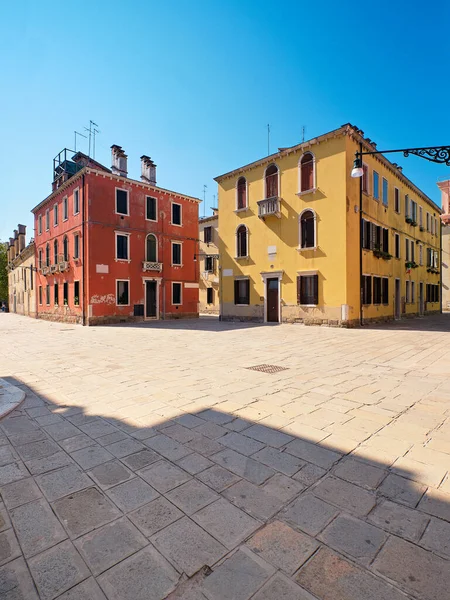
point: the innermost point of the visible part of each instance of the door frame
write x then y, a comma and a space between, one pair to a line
158, 284
272, 275
397, 299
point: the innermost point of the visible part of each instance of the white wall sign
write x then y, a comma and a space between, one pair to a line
102, 268
191, 285
228, 273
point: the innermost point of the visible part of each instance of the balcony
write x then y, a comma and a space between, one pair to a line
151, 266
53, 268
45, 270
268, 207
63, 266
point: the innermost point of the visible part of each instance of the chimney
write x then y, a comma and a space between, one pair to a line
11, 251
148, 170
16, 242
119, 161
22, 233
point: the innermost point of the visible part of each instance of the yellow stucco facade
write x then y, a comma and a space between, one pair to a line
209, 281
301, 256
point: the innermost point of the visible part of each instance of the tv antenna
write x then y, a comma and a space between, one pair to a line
80, 134
205, 187
92, 133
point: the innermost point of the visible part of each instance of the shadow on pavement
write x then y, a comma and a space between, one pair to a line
208, 505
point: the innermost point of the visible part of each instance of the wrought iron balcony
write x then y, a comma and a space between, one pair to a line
148, 265
45, 270
268, 207
53, 268
63, 266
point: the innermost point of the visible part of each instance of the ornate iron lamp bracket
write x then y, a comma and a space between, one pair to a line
440, 154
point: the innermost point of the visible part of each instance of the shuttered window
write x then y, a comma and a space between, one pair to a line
272, 182
367, 289
377, 290
307, 172
242, 291
308, 289
385, 290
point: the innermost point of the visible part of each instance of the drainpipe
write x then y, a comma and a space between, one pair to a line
83, 228
361, 243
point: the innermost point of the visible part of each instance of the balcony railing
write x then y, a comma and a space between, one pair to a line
53, 268
63, 266
148, 265
268, 207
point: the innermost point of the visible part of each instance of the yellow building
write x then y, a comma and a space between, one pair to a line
289, 237
209, 264
21, 274
444, 186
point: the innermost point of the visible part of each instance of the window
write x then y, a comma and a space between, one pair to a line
367, 235
55, 215
66, 293
209, 296
436, 259
385, 192
271, 178
55, 252
413, 258
31, 278
47, 295
39, 224
428, 221
207, 235
307, 229
66, 248
407, 250
385, 246
407, 214
242, 291
47, 219
408, 292
385, 290
414, 211
151, 248
76, 293
176, 214
396, 200
420, 255
65, 208
209, 264
436, 227
365, 179
420, 216
241, 241
367, 289
47, 255
76, 201
122, 241
432, 225
378, 237
151, 207
308, 289
377, 290
432, 293
40, 260
376, 185
307, 172
176, 293
413, 291
122, 298
176, 253
24, 277
429, 257
56, 294
241, 192
121, 202
40, 294
76, 246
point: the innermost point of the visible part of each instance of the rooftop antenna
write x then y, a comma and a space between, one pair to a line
94, 132
80, 134
268, 139
303, 133
204, 200
91, 123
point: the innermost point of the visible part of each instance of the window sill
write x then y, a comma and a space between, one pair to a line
239, 210
241, 257
177, 224
303, 193
300, 249
243, 304
308, 305
78, 212
151, 220
123, 260
177, 265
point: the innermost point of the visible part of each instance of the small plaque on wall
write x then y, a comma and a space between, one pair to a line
102, 268
228, 273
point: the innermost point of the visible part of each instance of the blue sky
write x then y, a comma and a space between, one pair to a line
194, 84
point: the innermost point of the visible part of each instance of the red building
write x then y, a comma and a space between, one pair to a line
113, 249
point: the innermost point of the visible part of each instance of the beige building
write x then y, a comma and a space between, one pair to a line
444, 186
209, 264
21, 274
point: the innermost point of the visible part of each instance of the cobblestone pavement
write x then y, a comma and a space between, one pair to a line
149, 462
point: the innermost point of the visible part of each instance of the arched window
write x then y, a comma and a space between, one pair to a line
151, 248
241, 193
47, 255
66, 248
307, 229
241, 241
307, 172
272, 181
55, 252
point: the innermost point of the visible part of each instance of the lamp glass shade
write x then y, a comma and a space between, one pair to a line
357, 172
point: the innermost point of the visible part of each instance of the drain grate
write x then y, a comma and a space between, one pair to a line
267, 368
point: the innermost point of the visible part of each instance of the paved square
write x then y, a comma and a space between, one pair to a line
126, 477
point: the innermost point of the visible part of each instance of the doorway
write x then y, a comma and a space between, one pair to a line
151, 299
273, 304
421, 300
397, 300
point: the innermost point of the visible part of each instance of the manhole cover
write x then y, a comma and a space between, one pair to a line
267, 368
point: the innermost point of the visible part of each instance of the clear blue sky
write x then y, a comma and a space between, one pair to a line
194, 84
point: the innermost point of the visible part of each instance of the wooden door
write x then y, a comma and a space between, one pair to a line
151, 288
272, 300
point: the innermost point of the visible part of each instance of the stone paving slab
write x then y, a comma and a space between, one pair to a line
327, 481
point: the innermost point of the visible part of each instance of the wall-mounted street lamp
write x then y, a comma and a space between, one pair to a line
436, 154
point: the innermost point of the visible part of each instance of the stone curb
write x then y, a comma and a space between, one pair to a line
10, 398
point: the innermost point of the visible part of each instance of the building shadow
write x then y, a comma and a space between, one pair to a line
198, 487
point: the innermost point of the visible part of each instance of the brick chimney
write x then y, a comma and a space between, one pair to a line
148, 170
21, 236
11, 251
119, 161
16, 242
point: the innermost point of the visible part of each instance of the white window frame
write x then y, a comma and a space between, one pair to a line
181, 253
300, 249
246, 195
65, 205
314, 187
236, 241
180, 283
116, 294
127, 235
397, 235
157, 249
181, 214
375, 173
76, 235
399, 203
384, 200
127, 214
77, 190
40, 224
265, 182
47, 220
156, 209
